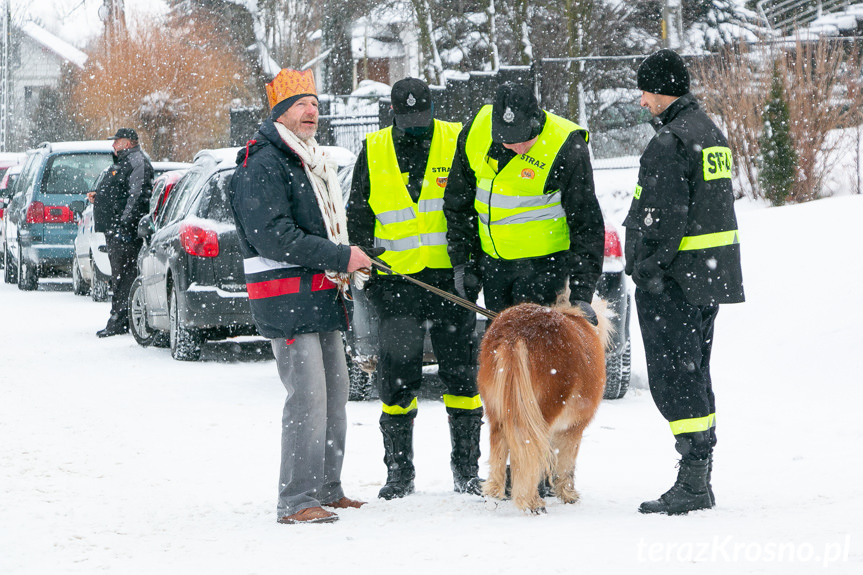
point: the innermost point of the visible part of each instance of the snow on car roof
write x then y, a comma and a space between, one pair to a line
220, 155
82, 146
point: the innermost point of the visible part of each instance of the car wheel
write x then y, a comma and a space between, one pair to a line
10, 270
27, 278
618, 370
100, 290
79, 286
138, 316
185, 342
360, 382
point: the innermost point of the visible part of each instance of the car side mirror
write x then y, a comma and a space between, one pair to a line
145, 227
77, 206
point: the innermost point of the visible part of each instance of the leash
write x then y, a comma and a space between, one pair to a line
443, 293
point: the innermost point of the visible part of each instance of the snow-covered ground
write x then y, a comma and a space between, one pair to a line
118, 459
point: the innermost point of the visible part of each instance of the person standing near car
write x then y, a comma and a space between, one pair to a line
396, 203
290, 217
521, 210
122, 199
683, 253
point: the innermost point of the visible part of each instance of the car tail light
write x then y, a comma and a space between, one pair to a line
198, 241
612, 244
39, 213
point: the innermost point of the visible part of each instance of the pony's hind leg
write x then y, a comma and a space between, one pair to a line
566, 443
495, 485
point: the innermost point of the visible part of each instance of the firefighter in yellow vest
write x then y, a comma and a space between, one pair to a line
396, 203
521, 211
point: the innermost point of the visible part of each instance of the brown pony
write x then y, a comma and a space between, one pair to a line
541, 378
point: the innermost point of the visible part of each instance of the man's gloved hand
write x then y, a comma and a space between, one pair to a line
589, 314
458, 276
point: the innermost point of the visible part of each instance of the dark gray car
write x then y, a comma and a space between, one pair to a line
190, 286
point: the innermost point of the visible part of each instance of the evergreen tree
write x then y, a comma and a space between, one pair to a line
778, 158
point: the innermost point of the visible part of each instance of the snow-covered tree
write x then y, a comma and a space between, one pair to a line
778, 158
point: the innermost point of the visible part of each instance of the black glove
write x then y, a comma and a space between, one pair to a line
649, 276
374, 252
458, 276
468, 280
589, 314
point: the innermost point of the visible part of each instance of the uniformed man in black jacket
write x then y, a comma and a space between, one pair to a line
521, 208
683, 253
397, 204
122, 199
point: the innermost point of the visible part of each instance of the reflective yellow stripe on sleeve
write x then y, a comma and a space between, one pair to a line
398, 409
693, 425
705, 241
462, 402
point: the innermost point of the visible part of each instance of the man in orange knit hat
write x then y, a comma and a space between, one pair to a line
298, 264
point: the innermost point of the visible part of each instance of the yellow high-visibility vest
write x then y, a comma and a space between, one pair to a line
518, 218
413, 233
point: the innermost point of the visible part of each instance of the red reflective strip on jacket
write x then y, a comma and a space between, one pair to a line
320, 282
273, 288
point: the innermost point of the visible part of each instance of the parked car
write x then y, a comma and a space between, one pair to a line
191, 286
39, 225
9, 160
361, 339
91, 269
7, 188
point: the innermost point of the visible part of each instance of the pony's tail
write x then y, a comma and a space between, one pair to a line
525, 428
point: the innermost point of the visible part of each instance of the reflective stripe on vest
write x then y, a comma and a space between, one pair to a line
706, 241
414, 234
518, 217
693, 425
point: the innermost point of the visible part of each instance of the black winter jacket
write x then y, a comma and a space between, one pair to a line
674, 201
284, 242
123, 196
571, 173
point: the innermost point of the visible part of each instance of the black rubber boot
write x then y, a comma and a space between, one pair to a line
709, 486
398, 456
464, 461
689, 493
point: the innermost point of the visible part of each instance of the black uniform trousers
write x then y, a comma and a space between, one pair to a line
123, 256
678, 337
531, 280
402, 309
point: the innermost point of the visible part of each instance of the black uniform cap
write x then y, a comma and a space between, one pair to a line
412, 103
127, 133
516, 115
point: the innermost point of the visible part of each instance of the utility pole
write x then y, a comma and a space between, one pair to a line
4, 75
672, 24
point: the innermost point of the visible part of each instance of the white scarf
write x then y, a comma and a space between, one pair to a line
323, 174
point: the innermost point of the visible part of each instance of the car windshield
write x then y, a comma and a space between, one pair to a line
74, 173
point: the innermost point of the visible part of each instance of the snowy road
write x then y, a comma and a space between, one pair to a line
118, 459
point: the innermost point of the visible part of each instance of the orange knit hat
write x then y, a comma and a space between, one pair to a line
288, 87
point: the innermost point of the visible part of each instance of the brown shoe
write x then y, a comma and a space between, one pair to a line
310, 515
345, 503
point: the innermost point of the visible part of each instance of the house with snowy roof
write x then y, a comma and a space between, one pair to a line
35, 64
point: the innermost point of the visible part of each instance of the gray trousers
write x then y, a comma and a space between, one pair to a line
315, 375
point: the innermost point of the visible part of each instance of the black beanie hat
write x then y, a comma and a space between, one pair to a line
663, 72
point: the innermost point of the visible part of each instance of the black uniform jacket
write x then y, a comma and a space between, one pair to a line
284, 242
571, 173
673, 200
123, 196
